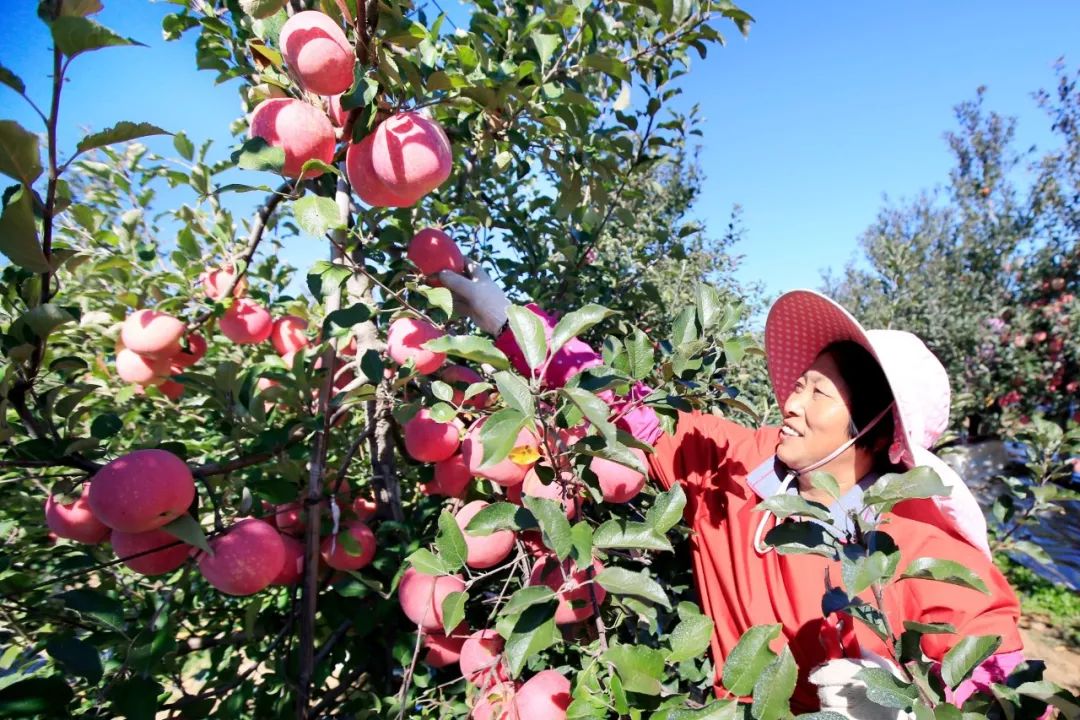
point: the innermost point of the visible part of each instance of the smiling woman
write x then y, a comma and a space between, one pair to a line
856, 404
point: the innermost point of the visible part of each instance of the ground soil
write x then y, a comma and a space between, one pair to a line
1042, 641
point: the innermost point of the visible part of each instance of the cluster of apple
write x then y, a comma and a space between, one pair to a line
132, 498
407, 156
150, 350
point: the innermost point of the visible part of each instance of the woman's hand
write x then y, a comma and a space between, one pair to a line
841, 692
478, 297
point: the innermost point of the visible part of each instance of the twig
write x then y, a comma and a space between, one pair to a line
258, 226
208, 469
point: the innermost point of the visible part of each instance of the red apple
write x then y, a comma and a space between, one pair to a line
246, 558
141, 491
75, 521
172, 554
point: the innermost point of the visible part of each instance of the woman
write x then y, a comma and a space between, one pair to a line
855, 404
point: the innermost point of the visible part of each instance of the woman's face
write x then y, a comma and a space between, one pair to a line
816, 416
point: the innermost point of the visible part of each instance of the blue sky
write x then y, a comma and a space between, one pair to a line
809, 123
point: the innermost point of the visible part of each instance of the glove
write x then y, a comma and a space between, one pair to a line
840, 692
477, 297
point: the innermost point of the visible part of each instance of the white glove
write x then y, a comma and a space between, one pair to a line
840, 692
478, 297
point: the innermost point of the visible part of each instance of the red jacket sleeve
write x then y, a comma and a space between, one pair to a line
970, 611
708, 449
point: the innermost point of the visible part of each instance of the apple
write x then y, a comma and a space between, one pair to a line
75, 521
247, 557
172, 554
411, 155
432, 250
288, 334
571, 585
618, 483
506, 472
152, 333
302, 132
421, 596
545, 695
481, 659
336, 555
246, 322
484, 551
316, 50
428, 440
141, 491
405, 341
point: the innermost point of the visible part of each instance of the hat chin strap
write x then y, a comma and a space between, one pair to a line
759, 543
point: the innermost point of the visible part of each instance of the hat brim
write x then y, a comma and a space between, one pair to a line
802, 323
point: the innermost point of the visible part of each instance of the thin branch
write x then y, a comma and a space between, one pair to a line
240, 463
258, 226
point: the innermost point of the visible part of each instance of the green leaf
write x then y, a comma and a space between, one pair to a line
826, 482
946, 571
317, 215
528, 330
135, 698
500, 516
453, 610
257, 154
621, 534
593, 408
750, 656
120, 132
965, 656
533, 632
892, 488
576, 322
76, 35
801, 538
187, 528
18, 232
443, 412
347, 317
77, 657
527, 597
515, 393
784, 506
499, 433
470, 347
640, 668
451, 543
885, 689
553, 524
860, 569
1051, 694
667, 509
621, 581
36, 697
12, 80
95, 604
427, 562
440, 298
581, 535
183, 145
773, 689
261, 8
708, 306
640, 354
327, 277
43, 319
608, 65
19, 154
690, 638
546, 45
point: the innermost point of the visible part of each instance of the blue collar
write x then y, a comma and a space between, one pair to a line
767, 479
